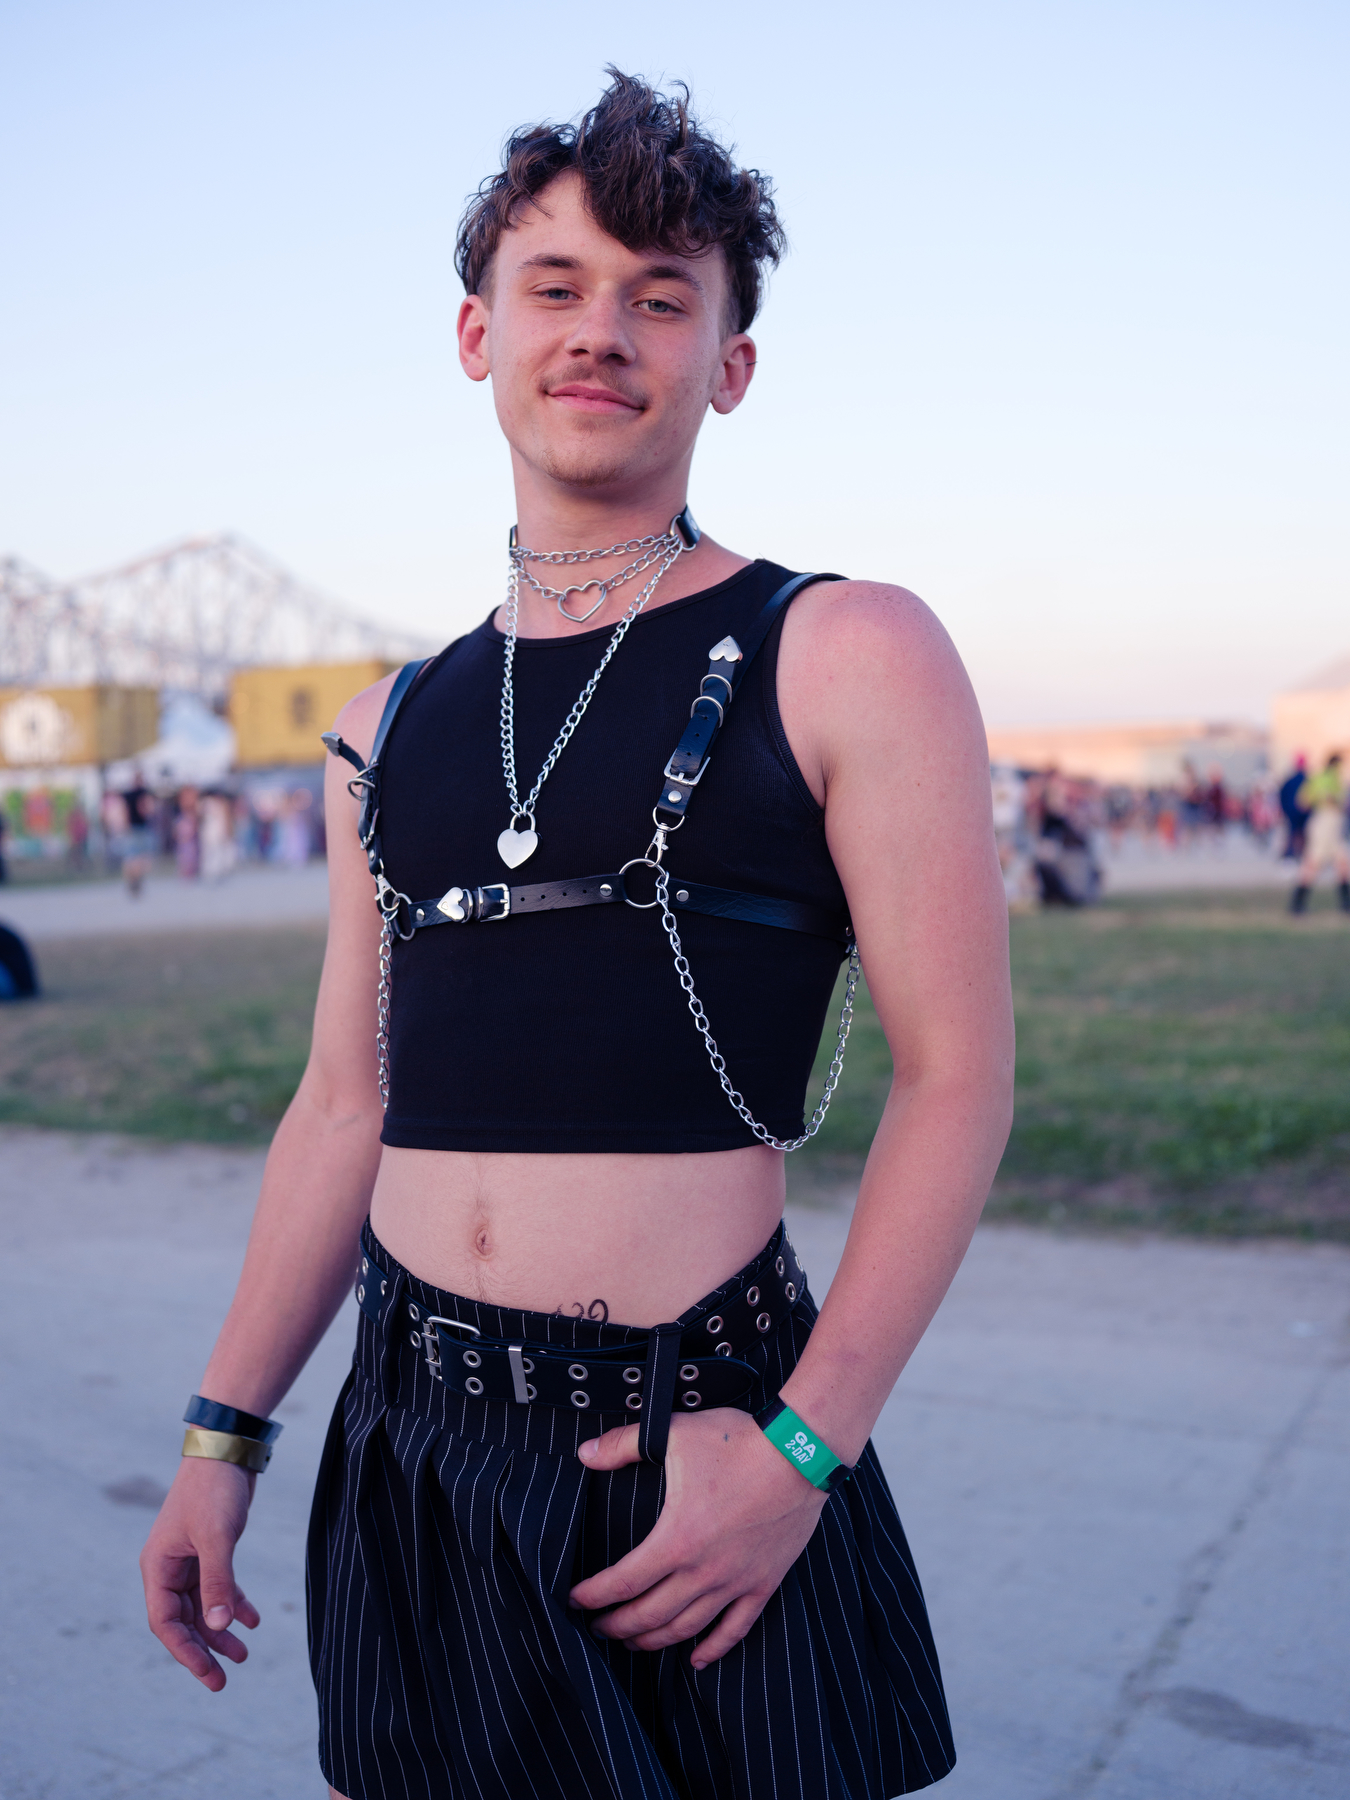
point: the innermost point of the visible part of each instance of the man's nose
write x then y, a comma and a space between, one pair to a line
601, 330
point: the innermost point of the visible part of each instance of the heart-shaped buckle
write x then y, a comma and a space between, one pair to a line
581, 618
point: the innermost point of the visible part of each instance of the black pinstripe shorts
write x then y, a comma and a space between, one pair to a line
446, 1534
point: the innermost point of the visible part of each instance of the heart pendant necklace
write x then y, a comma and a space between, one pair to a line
520, 840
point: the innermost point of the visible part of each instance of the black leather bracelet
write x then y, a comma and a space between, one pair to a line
210, 1415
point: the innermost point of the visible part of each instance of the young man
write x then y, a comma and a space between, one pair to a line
527, 1578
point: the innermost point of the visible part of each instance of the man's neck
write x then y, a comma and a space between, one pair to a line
554, 518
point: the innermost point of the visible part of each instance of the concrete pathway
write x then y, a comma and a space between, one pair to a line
250, 896
1123, 1466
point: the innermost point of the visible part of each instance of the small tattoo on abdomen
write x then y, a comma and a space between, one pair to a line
598, 1310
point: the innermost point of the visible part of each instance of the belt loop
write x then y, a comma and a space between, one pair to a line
658, 1391
389, 1324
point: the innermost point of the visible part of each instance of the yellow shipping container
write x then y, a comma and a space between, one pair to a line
55, 727
277, 714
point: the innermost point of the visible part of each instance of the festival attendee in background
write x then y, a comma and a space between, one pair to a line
216, 836
296, 832
187, 835
1323, 797
77, 835
138, 842
1295, 813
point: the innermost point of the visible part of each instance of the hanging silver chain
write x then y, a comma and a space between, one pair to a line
607, 586
674, 548
715, 1057
382, 1015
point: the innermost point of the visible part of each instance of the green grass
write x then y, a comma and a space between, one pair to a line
1183, 1061
198, 1035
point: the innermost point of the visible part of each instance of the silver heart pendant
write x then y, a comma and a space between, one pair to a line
581, 618
515, 847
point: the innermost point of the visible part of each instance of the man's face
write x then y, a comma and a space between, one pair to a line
603, 360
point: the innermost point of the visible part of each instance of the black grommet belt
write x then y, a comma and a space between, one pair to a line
683, 1367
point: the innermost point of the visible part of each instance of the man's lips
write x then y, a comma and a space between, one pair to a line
581, 397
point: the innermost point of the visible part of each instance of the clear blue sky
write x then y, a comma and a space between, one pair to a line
1061, 342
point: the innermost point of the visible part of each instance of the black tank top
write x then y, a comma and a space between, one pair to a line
568, 1031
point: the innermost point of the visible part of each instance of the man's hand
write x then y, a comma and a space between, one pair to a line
187, 1566
736, 1517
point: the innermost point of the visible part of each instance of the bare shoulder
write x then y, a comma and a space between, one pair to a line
359, 718
866, 667
880, 633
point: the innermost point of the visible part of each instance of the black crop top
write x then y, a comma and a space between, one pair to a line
568, 1031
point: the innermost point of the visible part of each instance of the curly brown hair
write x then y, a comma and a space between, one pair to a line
653, 179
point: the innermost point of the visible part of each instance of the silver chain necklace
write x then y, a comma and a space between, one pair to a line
515, 846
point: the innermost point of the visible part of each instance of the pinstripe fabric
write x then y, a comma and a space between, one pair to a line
446, 1535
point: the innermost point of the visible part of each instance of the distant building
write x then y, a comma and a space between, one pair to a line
1312, 718
1137, 755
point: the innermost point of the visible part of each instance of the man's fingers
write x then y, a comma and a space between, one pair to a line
729, 1630
651, 1611
684, 1621
632, 1575
219, 1595
612, 1449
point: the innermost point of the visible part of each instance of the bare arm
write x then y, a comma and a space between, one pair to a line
301, 1255
879, 709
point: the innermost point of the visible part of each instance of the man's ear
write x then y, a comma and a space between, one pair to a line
735, 373
472, 330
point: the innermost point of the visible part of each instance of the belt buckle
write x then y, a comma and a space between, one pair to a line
496, 894
431, 1340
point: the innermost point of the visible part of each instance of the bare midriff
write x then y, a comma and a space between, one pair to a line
637, 1239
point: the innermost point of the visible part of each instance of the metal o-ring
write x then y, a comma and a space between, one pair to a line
752, 1296
693, 1398
724, 1349
688, 1372
791, 1290
631, 1375
578, 1372
473, 1359
763, 1322
713, 1325
473, 1385
633, 1402
580, 1399
645, 862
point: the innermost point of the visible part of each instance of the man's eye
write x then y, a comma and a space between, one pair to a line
558, 293
657, 306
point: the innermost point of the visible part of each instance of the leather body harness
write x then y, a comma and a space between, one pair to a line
497, 902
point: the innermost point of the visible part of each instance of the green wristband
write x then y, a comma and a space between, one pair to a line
793, 1438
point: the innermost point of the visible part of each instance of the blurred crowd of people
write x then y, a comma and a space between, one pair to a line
203, 833
1054, 831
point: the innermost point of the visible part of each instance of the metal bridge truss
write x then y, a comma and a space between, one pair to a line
183, 618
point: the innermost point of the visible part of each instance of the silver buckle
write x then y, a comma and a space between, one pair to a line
499, 894
689, 781
431, 1340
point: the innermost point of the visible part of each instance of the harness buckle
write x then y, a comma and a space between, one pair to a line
496, 896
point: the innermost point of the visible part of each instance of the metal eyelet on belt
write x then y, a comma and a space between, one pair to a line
780, 1266
413, 1313
531, 1392
365, 1266
416, 1339
473, 1359
752, 1296
580, 1399
578, 1372
791, 1290
527, 1365
724, 1349
693, 1398
688, 1372
763, 1322
473, 1385
633, 1402
631, 1375
713, 1325
360, 1291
